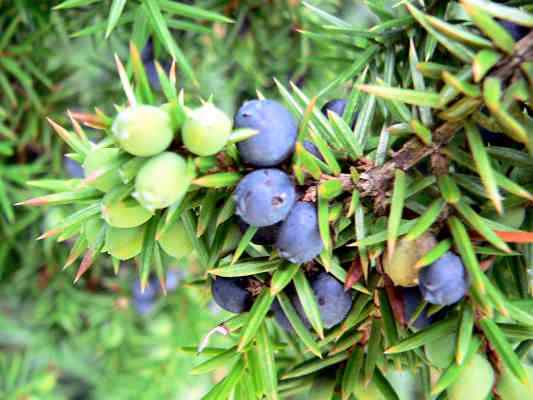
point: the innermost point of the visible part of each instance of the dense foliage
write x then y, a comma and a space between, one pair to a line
369, 225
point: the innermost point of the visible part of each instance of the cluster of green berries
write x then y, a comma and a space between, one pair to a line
160, 176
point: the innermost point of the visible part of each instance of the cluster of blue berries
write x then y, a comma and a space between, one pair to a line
267, 198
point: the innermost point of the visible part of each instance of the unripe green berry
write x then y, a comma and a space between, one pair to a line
161, 181
510, 388
100, 160
441, 352
124, 243
143, 130
206, 130
401, 267
175, 241
125, 214
474, 382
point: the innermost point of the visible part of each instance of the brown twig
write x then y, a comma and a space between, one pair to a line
377, 181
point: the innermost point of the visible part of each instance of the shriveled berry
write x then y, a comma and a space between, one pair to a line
299, 239
510, 388
232, 294
126, 213
277, 132
264, 197
401, 267
515, 30
441, 352
411, 300
161, 181
100, 160
206, 130
445, 281
143, 130
124, 243
474, 381
175, 241
265, 236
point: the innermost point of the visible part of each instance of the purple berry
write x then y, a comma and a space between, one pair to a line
337, 106
411, 300
265, 236
277, 132
144, 301
232, 294
148, 59
264, 197
333, 302
143, 307
299, 239
150, 291
174, 278
73, 168
445, 281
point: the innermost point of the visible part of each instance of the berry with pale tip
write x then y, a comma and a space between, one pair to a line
206, 130
143, 130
